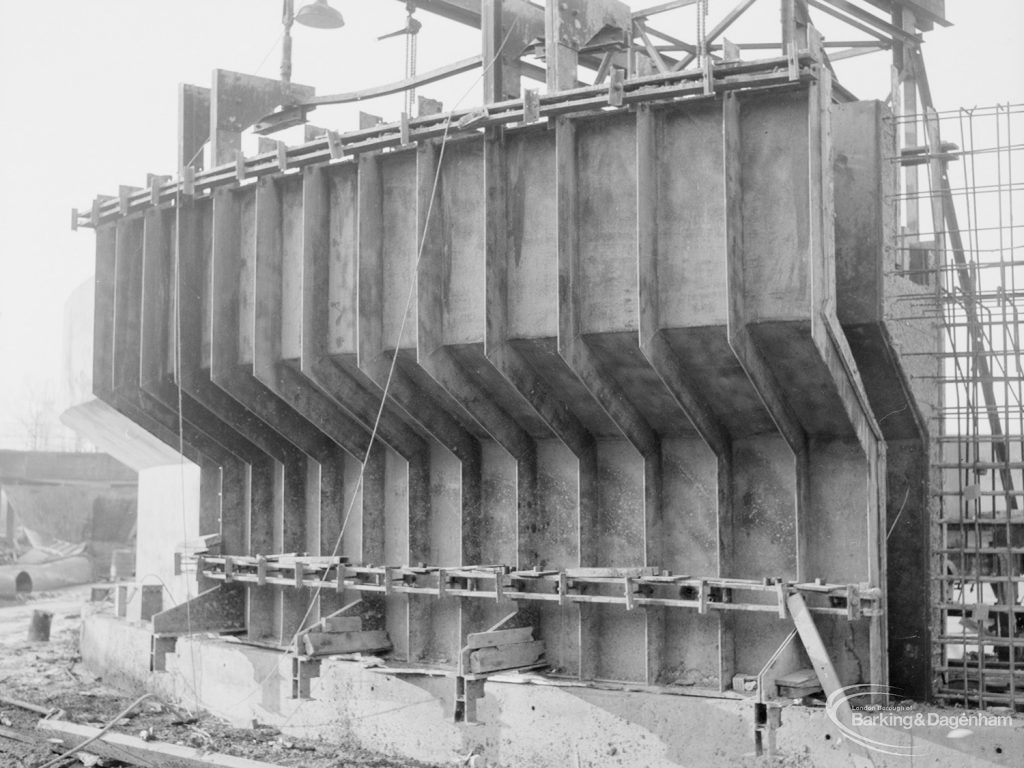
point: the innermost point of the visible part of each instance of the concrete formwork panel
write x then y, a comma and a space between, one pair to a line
610, 342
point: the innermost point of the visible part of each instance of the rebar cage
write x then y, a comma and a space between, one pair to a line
961, 237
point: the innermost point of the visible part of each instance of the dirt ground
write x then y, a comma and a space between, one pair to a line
52, 675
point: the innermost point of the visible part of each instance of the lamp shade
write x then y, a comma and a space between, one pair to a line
320, 15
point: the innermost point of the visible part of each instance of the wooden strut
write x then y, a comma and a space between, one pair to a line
493, 651
728, 76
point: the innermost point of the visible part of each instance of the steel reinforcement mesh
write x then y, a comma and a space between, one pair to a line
962, 241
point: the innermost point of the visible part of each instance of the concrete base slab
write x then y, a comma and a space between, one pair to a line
543, 724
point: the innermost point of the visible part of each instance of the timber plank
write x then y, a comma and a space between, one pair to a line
505, 657
333, 624
500, 637
118, 746
16, 735
324, 643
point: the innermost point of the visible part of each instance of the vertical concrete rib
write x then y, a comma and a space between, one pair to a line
247, 528
326, 261
382, 259
276, 340
195, 332
662, 358
783, 327
620, 408
233, 319
160, 351
441, 235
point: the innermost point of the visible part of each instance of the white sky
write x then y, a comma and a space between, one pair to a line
90, 102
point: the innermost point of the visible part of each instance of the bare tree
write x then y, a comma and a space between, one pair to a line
38, 417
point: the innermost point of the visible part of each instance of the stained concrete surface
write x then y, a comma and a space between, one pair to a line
51, 674
544, 723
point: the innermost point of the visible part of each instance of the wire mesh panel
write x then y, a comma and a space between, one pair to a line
962, 238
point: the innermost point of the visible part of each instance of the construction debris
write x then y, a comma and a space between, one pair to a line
48, 684
139, 751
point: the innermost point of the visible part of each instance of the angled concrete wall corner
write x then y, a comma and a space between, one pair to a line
888, 314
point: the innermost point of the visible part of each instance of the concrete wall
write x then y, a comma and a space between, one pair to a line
622, 348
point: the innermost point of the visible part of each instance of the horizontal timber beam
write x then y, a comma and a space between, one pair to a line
730, 76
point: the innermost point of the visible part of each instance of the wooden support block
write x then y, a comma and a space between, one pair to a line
188, 181
609, 573
261, 570
325, 643
793, 62
341, 624
709, 77
124, 194
702, 596
403, 129
499, 587
852, 602
97, 204
441, 583
628, 582
781, 592
229, 568
155, 182
387, 580
300, 574
487, 660
498, 637
615, 88
239, 166
117, 746
531, 105
334, 145
563, 588
282, 156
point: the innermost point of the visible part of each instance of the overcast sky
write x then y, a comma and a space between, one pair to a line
90, 99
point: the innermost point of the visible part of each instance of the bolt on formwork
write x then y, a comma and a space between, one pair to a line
961, 245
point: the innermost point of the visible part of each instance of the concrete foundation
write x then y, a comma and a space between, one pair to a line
547, 724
